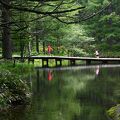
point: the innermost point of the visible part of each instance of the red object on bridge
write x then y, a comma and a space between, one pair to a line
49, 49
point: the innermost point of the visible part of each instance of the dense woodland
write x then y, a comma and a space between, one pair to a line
71, 27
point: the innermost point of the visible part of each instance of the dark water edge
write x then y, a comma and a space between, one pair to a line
70, 93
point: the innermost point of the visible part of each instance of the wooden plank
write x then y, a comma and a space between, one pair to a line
70, 58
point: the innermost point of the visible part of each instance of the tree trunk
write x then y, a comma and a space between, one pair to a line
29, 49
6, 40
21, 50
37, 44
58, 46
44, 47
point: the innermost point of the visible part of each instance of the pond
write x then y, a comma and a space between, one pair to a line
70, 93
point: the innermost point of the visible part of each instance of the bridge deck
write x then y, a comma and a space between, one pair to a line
70, 58
58, 59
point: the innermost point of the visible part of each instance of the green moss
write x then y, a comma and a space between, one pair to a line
112, 112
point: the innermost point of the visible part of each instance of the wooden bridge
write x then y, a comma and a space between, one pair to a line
72, 60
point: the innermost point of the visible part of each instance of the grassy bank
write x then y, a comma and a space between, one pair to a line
13, 87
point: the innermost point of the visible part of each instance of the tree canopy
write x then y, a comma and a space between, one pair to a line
76, 26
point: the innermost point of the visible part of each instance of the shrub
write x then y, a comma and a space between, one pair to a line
13, 90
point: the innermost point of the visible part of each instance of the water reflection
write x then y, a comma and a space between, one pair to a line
74, 94
50, 75
97, 70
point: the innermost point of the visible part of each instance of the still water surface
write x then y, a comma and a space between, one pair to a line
78, 93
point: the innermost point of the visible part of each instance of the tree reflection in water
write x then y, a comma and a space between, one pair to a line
75, 94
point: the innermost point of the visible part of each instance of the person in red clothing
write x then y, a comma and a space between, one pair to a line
49, 49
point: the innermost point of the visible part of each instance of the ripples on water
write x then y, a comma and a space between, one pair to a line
71, 93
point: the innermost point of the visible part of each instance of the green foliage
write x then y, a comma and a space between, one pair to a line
107, 50
104, 28
13, 90
111, 27
77, 41
13, 86
78, 52
49, 29
18, 69
112, 112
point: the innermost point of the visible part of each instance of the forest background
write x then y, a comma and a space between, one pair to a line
71, 27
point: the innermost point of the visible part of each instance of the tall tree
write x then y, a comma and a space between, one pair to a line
6, 39
105, 28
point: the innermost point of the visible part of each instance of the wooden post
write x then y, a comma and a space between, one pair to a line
43, 63
104, 61
33, 61
14, 62
47, 62
30, 59
56, 62
88, 62
60, 62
